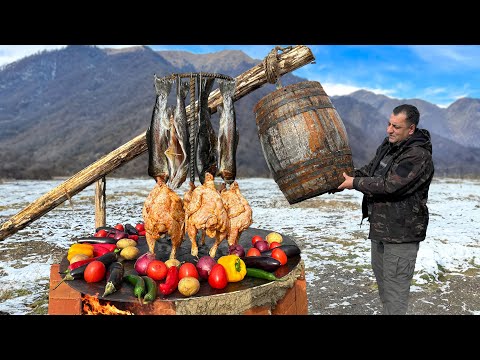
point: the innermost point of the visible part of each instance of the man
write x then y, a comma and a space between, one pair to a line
395, 185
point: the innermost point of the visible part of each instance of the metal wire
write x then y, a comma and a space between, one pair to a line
195, 74
193, 129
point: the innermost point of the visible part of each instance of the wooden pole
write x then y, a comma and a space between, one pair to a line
100, 203
247, 82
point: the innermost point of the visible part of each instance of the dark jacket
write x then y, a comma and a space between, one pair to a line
395, 197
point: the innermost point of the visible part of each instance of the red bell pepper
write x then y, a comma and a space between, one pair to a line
110, 247
171, 281
100, 249
133, 237
77, 264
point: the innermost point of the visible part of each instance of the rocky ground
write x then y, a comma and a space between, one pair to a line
342, 290
346, 292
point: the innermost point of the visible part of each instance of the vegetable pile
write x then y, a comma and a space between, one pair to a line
102, 257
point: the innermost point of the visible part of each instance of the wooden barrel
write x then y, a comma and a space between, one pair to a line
304, 140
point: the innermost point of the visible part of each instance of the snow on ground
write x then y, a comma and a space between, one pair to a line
326, 228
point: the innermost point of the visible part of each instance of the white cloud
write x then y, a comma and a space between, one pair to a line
339, 89
333, 89
115, 46
449, 57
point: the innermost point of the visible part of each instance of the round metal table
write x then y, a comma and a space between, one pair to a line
162, 251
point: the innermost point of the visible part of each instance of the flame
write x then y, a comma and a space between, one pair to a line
92, 306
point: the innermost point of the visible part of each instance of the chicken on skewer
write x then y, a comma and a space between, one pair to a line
163, 214
205, 211
239, 212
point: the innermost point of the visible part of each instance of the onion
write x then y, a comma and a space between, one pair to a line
120, 235
142, 262
262, 245
204, 265
236, 249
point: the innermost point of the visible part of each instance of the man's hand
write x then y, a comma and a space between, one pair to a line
347, 184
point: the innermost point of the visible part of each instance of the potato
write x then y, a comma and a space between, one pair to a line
78, 257
130, 252
273, 236
188, 286
172, 262
123, 243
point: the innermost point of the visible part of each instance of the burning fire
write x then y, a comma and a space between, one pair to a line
92, 306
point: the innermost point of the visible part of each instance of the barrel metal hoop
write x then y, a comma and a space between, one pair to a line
265, 123
313, 86
297, 95
313, 163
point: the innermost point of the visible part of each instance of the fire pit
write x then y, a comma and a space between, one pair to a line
237, 298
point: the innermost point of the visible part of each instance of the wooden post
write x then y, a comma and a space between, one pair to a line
100, 203
247, 82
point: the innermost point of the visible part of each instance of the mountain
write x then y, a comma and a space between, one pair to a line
453, 130
62, 110
459, 122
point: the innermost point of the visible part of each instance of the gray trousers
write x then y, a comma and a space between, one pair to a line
393, 266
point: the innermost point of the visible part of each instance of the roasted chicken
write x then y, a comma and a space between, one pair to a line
205, 211
163, 214
186, 200
238, 210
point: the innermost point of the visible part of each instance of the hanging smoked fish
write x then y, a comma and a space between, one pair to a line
179, 148
227, 133
206, 140
157, 135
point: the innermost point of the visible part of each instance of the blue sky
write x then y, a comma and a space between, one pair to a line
439, 74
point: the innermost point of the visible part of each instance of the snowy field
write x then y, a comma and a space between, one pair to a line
326, 228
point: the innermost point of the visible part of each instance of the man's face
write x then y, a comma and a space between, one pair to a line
398, 128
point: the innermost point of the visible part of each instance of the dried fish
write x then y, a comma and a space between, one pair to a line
227, 133
180, 145
206, 139
158, 132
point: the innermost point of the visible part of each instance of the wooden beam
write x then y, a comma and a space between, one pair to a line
247, 82
100, 203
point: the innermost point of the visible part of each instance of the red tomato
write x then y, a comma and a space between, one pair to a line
256, 238
119, 227
187, 269
274, 244
140, 227
253, 251
94, 272
280, 255
217, 278
157, 270
101, 233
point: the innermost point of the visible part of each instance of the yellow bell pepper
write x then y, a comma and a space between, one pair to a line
75, 249
234, 266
